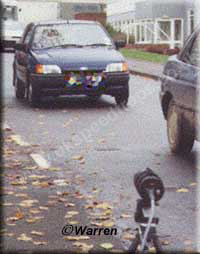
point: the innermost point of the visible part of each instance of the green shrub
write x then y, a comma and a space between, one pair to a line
115, 34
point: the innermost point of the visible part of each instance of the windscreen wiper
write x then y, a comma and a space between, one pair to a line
70, 45
64, 46
97, 45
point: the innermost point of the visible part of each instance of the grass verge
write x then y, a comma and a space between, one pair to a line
145, 56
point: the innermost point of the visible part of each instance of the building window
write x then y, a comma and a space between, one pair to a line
178, 30
93, 8
190, 22
143, 31
78, 8
86, 8
149, 32
169, 31
138, 32
164, 31
159, 31
9, 12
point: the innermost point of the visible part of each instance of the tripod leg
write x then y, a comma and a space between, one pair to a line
135, 244
157, 244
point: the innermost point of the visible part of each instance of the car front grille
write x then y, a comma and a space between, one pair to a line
88, 79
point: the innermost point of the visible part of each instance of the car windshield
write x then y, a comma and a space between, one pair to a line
64, 35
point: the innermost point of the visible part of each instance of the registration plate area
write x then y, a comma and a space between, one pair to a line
84, 79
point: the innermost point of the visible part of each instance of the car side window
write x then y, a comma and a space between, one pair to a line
192, 54
195, 52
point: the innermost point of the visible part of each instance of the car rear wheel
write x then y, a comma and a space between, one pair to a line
122, 98
33, 96
19, 88
180, 133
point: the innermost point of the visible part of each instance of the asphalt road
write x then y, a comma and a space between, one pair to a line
114, 143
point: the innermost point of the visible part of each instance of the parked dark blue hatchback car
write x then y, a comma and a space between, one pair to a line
69, 57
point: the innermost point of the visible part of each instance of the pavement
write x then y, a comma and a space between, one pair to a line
145, 69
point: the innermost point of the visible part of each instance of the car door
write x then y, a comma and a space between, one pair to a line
21, 56
191, 76
195, 61
189, 72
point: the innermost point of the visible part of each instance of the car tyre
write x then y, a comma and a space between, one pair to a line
19, 88
33, 95
180, 133
122, 98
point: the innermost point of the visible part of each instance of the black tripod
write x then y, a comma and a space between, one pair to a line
151, 189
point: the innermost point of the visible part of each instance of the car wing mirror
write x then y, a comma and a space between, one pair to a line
178, 57
120, 44
21, 47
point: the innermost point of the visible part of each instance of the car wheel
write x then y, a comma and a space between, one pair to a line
19, 88
33, 96
180, 134
122, 98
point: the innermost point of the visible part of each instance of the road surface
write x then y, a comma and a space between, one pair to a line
105, 146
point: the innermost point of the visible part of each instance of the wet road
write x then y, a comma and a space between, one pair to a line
114, 143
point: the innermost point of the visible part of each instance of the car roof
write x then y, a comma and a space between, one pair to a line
61, 21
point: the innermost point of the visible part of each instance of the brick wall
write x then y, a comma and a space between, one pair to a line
100, 17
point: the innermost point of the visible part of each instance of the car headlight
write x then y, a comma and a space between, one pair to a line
117, 67
46, 69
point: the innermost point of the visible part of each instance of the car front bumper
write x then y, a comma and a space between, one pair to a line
55, 84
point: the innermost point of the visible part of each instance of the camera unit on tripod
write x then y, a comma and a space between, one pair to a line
149, 185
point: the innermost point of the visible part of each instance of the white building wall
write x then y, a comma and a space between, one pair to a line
121, 13
33, 11
120, 6
151, 21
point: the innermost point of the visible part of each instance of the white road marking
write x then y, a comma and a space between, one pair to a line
40, 161
18, 140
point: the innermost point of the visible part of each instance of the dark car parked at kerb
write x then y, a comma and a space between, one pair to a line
179, 100
69, 57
